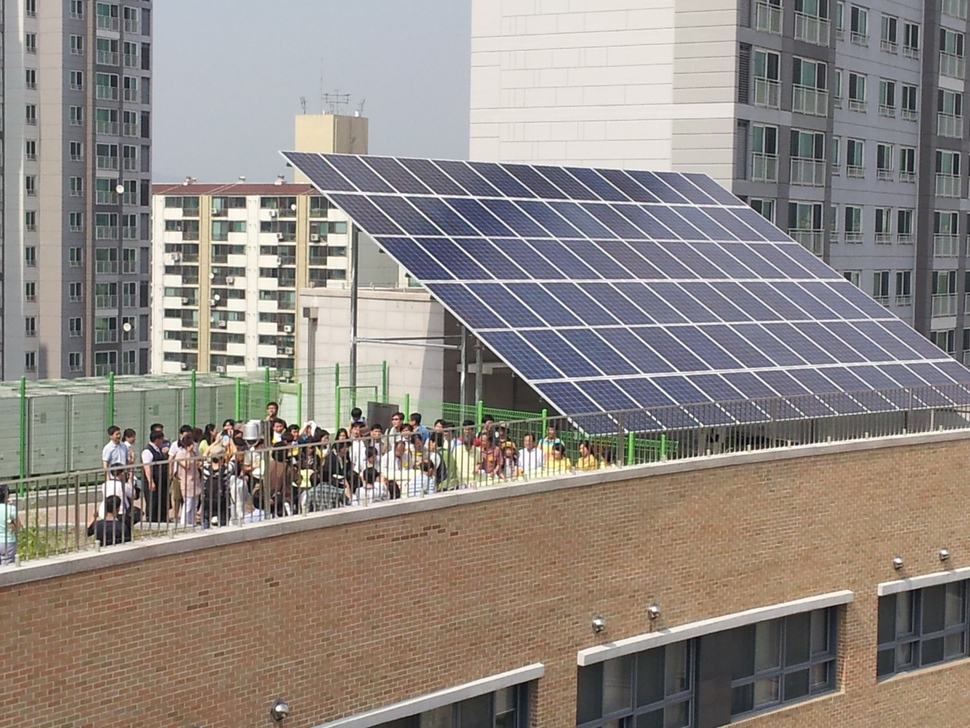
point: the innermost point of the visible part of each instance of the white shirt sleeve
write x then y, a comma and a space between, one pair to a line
147, 456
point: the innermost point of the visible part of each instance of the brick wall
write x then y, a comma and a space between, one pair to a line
356, 615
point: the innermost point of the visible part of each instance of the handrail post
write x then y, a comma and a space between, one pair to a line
238, 404
630, 443
192, 398
407, 407
620, 454
663, 447
384, 382
23, 434
545, 422
111, 398
479, 412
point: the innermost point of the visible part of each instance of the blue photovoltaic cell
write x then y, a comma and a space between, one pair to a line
610, 289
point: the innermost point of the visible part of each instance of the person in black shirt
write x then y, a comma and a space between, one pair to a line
109, 530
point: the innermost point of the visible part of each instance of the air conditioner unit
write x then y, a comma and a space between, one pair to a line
288, 351
314, 238
281, 237
287, 329
216, 210
185, 300
230, 280
220, 369
273, 213
220, 324
183, 366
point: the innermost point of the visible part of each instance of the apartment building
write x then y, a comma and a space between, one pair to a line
76, 178
839, 121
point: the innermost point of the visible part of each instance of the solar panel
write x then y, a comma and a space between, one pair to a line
611, 289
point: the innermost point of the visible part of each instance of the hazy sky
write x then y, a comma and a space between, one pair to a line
229, 74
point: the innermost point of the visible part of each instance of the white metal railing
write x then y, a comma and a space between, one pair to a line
860, 39
911, 52
955, 8
764, 167
949, 125
130, 130
884, 174
767, 93
108, 22
812, 29
946, 246
952, 65
907, 176
106, 232
105, 336
909, 114
106, 93
107, 162
132, 94
811, 240
129, 233
107, 58
132, 26
889, 46
857, 105
808, 100
904, 238
887, 111
855, 171
944, 304
853, 237
883, 300
904, 299
131, 60
107, 127
106, 301
884, 238
947, 185
106, 266
808, 172
106, 197
767, 18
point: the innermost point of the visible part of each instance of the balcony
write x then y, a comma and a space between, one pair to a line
855, 171
106, 301
889, 46
767, 18
952, 65
944, 304
904, 299
106, 232
955, 9
131, 130
946, 246
132, 26
109, 22
947, 185
129, 301
911, 52
949, 125
909, 114
107, 162
129, 233
808, 100
812, 29
106, 93
129, 266
131, 60
105, 336
811, 240
106, 266
764, 168
131, 198
853, 237
133, 95
107, 58
109, 128
129, 164
767, 93
105, 197
808, 172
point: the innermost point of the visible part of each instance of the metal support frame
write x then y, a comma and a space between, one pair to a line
354, 288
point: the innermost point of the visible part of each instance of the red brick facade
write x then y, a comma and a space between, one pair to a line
355, 615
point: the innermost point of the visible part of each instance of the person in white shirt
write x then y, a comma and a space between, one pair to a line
422, 483
531, 458
114, 485
114, 453
128, 442
393, 472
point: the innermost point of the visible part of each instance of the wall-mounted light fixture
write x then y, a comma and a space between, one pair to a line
653, 611
944, 554
599, 624
898, 562
279, 710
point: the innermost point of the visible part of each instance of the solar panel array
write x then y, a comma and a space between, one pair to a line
613, 290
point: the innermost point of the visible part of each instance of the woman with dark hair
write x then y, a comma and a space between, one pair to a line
9, 525
187, 469
586, 460
208, 438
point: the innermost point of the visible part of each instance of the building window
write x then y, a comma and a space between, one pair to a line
805, 225
946, 240
852, 276
809, 87
75, 361
76, 186
30, 256
857, 92
75, 327
76, 151
77, 80
105, 362
910, 102
76, 115
853, 224
839, 19
884, 161
884, 218
955, 9
30, 326
76, 257
951, 54
808, 158
880, 286
30, 361
904, 226
765, 208
837, 89
812, 21
75, 292
834, 224
911, 40
922, 627
76, 221
836, 156
30, 8
30, 78
907, 164
948, 183
105, 329
30, 42
949, 114
77, 9
77, 45
859, 25
904, 288
767, 79
887, 98
31, 114
30, 220
30, 291
768, 664
855, 158
30, 150
887, 40
764, 153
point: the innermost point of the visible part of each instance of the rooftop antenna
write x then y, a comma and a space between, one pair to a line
360, 108
303, 103
335, 102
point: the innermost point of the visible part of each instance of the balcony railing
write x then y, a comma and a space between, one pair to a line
131, 60
106, 301
767, 93
854, 170
853, 237
132, 26
108, 22
106, 93
946, 246
107, 58
904, 299
105, 336
859, 39
808, 100
884, 174
109, 128
811, 240
947, 185
129, 301
911, 52
106, 266
907, 176
952, 65
129, 164
955, 9
909, 114
884, 238
105, 197
129, 233
767, 18
107, 162
949, 125
808, 172
106, 232
764, 167
889, 46
887, 111
131, 130
944, 304
882, 300
132, 94
857, 105
812, 29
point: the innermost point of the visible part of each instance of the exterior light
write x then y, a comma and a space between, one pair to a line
279, 710
653, 611
898, 562
599, 624
944, 554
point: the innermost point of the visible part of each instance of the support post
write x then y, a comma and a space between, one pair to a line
266, 390
629, 448
545, 422
299, 403
384, 382
238, 405
479, 412
463, 378
111, 398
663, 447
192, 398
407, 406
354, 286
478, 371
336, 395
23, 434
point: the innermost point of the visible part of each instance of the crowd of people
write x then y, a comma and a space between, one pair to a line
211, 477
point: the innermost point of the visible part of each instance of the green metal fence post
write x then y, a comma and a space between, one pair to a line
407, 407
192, 399
299, 403
23, 434
545, 421
111, 398
266, 390
238, 409
479, 412
663, 448
384, 381
629, 448
336, 395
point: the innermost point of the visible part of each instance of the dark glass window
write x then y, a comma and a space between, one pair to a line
505, 708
